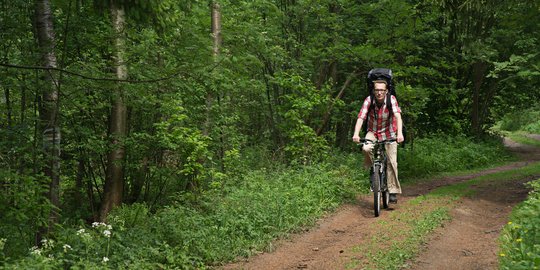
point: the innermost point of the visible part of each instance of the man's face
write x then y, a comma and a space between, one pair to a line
380, 91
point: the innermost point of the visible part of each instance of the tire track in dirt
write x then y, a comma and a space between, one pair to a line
476, 222
469, 240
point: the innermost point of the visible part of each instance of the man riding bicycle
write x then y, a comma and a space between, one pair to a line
382, 125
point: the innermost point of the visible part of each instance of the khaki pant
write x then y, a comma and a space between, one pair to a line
392, 166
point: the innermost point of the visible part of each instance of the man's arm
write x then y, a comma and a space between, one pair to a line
400, 137
357, 128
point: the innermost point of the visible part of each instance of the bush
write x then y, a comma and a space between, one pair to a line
526, 120
520, 238
533, 127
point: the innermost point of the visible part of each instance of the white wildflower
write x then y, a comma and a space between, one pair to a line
47, 243
109, 227
66, 247
97, 224
81, 231
107, 233
35, 251
105, 259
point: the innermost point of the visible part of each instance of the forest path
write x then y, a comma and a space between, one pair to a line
468, 241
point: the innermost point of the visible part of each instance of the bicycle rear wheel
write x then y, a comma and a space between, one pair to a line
385, 199
376, 184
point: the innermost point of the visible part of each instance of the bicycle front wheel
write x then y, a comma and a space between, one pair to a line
376, 182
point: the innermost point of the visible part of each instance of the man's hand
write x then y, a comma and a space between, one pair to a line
356, 138
400, 138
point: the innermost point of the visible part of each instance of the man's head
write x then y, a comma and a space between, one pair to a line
379, 90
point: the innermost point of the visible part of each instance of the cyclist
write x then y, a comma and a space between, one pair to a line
382, 126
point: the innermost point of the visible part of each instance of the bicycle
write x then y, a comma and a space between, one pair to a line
377, 175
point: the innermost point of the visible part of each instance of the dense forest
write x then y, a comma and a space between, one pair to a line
155, 104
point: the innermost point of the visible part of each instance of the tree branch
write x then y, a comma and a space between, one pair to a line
100, 79
331, 106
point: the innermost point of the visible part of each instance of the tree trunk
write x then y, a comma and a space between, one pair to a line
479, 69
48, 113
138, 180
216, 36
343, 131
8, 107
79, 180
23, 103
114, 178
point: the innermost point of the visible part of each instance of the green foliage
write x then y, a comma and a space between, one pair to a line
23, 210
264, 95
238, 217
522, 120
519, 240
298, 109
214, 229
442, 153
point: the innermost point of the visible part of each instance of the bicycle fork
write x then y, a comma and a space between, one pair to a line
378, 167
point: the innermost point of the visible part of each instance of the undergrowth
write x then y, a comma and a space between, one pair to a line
527, 120
520, 238
237, 216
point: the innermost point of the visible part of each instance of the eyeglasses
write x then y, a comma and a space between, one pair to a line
379, 90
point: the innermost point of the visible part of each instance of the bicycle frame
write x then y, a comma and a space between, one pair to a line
378, 179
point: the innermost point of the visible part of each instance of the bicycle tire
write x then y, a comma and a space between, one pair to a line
384, 188
385, 199
376, 182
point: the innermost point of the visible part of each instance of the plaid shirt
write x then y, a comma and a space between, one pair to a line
380, 125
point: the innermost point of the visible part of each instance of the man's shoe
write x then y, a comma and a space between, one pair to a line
393, 198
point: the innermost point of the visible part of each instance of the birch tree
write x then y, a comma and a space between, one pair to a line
48, 114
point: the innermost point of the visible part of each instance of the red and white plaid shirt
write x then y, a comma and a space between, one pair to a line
380, 125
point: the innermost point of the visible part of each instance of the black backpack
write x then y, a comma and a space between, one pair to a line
385, 74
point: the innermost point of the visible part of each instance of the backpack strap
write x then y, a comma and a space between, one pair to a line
389, 104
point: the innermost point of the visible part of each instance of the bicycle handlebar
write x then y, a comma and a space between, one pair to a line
376, 141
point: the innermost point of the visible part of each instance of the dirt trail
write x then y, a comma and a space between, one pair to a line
467, 242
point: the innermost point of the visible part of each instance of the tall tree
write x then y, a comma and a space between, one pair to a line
216, 38
48, 114
114, 179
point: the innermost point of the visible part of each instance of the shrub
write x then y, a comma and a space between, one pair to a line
438, 154
526, 120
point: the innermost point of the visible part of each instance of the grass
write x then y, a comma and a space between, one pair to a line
520, 238
447, 154
400, 238
517, 125
397, 240
521, 137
